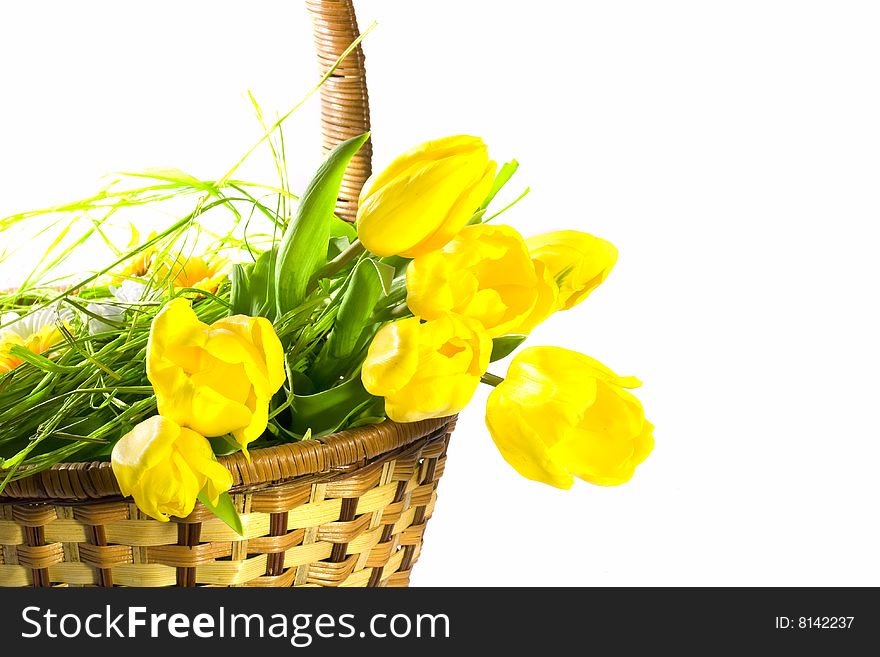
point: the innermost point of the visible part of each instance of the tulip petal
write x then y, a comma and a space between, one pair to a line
214, 415
459, 214
485, 274
259, 408
424, 154
393, 357
611, 415
426, 370
164, 467
176, 325
546, 300
174, 393
228, 342
432, 397
228, 380
204, 375
230, 348
423, 198
188, 484
197, 453
266, 340
601, 455
521, 445
396, 218
539, 387
148, 444
562, 412
149, 494
580, 262
431, 282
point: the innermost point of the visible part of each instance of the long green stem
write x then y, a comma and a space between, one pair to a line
400, 311
396, 297
355, 250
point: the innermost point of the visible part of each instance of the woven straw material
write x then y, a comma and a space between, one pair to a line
355, 521
345, 105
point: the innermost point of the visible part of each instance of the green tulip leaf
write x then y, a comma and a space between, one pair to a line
504, 346
239, 296
399, 264
252, 290
303, 248
343, 229
501, 179
366, 420
326, 412
225, 510
261, 285
361, 296
386, 275
224, 445
342, 234
302, 383
367, 413
336, 246
365, 287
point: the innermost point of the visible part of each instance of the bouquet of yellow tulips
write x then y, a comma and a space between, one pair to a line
175, 352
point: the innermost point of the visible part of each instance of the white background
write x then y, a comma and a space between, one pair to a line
731, 150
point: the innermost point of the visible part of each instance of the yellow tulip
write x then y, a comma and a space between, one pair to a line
426, 370
424, 197
560, 414
214, 379
579, 262
486, 274
164, 467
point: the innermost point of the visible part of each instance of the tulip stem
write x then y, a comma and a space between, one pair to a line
394, 298
400, 311
391, 312
338, 263
491, 379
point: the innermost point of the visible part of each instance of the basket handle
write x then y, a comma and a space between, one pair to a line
345, 105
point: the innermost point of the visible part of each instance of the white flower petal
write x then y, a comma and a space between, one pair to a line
106, 310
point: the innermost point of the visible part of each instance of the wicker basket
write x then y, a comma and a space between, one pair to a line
346, 510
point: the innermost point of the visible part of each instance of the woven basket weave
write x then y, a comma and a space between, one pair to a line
346, 510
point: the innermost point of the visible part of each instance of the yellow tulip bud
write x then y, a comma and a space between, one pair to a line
424, 197
486, 274
579, 262
165, 466
560, 414
426, 370
214, 379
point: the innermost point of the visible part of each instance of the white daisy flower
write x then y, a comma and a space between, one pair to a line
130, 292
37, 332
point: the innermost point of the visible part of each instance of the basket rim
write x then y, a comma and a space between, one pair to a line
344, 450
